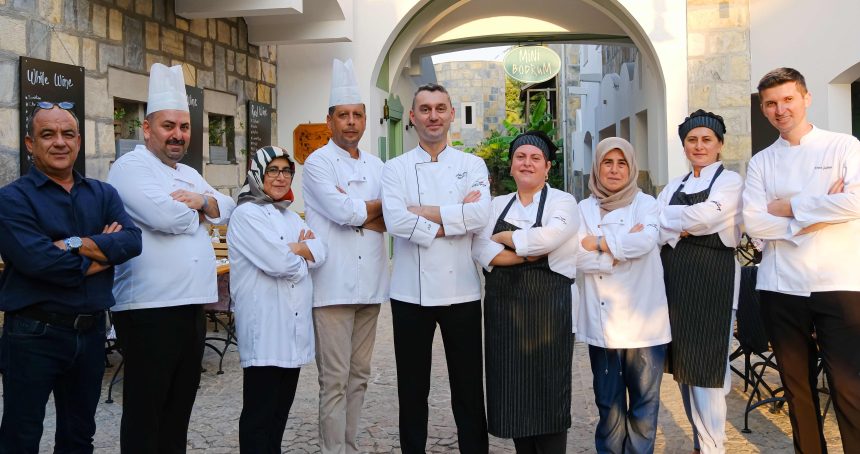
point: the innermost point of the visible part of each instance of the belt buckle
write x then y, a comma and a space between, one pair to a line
84, 322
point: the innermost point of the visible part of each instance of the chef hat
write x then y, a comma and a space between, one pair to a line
166, 89
344, 88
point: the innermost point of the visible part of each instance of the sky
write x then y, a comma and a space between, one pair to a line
482, 54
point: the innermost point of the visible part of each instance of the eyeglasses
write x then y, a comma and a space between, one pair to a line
273, 172
47, 105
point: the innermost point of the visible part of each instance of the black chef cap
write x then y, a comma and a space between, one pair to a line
535, 138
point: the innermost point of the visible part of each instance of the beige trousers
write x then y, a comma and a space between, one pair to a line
344, 345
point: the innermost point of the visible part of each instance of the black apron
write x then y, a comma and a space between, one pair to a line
529, 345
699, 273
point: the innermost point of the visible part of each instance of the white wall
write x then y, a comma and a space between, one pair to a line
819, 39
657, 27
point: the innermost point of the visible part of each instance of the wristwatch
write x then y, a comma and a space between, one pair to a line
73, 244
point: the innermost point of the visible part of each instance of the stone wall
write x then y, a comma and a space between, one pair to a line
478, 82
129, 35
718, 70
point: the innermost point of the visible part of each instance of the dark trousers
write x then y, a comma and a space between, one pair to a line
627, 393
835, 319
36, 359
162, 349
414, 328
542, 444
267, 395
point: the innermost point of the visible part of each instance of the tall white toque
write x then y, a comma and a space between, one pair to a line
344, 88
166, 89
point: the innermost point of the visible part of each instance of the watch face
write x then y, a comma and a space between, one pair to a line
75, 242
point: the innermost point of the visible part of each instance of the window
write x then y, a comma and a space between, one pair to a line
222, 139
468, 115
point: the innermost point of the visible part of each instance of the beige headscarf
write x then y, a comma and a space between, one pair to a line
612, 200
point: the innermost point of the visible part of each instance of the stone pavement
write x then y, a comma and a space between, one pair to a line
215, 421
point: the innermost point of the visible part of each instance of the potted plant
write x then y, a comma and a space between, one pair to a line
218, 140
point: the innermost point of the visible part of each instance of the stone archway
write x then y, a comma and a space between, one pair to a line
441, 26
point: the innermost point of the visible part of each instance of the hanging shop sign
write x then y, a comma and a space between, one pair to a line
531, 64
47, 81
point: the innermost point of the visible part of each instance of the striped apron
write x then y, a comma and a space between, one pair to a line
529, 345
699, 273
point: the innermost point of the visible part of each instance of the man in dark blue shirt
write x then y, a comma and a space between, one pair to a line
60, 235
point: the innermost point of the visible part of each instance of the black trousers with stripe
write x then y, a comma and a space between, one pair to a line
414, 328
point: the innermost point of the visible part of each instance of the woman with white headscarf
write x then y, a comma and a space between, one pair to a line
700, 214
623, 315
270, 250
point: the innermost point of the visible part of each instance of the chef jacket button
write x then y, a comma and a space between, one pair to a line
602, 303
297, 314
451, 271
292, 285
282, 238
359, 257
600, 277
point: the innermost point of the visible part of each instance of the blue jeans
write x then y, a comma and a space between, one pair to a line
620, 375
36, 359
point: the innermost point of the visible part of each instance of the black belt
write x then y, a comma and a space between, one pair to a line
80, 322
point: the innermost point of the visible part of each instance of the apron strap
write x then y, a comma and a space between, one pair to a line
713, 179
541, 204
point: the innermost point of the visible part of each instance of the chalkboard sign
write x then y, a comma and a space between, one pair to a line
42, 80
259, 128
194, 155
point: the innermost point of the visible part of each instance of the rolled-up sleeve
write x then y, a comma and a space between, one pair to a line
562, 224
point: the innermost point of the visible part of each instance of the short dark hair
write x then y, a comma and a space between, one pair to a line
781, 76
431, 87
31, 120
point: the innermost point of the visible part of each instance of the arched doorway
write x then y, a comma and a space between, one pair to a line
444, 26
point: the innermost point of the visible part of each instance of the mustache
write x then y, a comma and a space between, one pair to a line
175, 142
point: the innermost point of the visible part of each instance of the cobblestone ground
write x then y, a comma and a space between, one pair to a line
215, 421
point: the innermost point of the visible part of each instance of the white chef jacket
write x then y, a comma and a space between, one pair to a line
623, 306
826, 260
270, 286
556, 237
356, 271
177, 265
434, 271
720, 213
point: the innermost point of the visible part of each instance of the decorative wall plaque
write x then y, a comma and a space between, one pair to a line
307, 138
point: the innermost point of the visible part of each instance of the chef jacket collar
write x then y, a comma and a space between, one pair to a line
707, 171
809, 136
342, 152
535, 197
426, 156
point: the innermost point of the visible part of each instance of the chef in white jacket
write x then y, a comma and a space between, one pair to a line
160, 293
342, 186
434, 199
802, 197
623, 315
271, 250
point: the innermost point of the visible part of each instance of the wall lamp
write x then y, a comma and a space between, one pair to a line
385, 113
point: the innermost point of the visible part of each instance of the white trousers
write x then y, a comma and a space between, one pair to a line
706, 411
345, 335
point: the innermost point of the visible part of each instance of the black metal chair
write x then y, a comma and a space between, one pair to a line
220, 314
111, 346
755, 349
